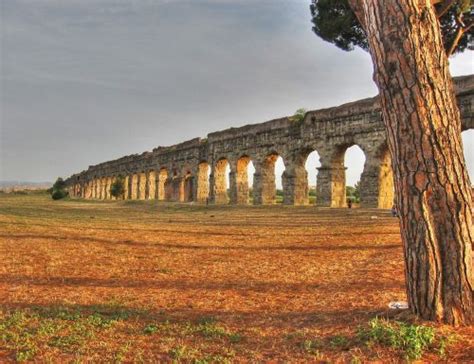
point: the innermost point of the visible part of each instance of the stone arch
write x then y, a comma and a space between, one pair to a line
312, 165
296, 177
264, 180
162, 184
239, 181
125, 181
376, 183
126, 185
99, 188
103, 188
218, 181
331, 183
176, 186
108, 186
188, 183
110, 181
151, 185
95, 188
134, 181
87, 190
202, 188
141, 186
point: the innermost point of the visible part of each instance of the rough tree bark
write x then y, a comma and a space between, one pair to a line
424, 133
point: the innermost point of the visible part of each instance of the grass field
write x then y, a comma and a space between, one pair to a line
88, 281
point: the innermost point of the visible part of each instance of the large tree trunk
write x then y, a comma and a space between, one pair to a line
424, 133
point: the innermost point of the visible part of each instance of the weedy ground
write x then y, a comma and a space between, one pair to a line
89, 281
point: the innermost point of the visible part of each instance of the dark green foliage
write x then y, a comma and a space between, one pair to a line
353, 193
58, 194
58, 191
449, 26
59, 184
335, 22
117, 189
299, 115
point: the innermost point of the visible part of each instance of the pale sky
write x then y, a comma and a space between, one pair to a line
86, 81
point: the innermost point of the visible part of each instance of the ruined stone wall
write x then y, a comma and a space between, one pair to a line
195, 170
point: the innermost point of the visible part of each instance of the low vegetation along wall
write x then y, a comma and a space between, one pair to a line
195, 170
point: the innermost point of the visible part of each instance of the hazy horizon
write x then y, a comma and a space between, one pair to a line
84, 82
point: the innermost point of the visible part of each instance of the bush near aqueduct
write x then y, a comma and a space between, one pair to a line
117, 189
58, 191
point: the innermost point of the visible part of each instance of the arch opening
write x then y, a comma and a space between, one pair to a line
188, 186
177, 187
241, 186
250, 174
354, 160
312, 165
270, 181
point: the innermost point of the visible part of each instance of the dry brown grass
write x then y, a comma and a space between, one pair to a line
149, 282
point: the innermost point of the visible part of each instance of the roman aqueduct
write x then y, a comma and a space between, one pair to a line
195, 170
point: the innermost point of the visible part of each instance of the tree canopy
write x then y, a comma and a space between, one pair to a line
58, 191
335, 22
117, 189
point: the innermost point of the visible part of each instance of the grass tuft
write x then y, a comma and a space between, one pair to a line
411, 340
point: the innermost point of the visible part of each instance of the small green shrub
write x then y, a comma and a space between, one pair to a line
58, 194
211, 330
310, 346
150, 329
298, 116
235, 338
339, 341
411, 340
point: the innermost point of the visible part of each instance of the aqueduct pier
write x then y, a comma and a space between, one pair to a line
195, 170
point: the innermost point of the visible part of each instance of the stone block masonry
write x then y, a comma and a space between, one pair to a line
195, 170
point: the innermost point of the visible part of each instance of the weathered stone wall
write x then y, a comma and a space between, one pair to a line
196, 169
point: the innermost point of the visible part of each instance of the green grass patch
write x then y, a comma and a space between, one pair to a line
412, 341
27, 331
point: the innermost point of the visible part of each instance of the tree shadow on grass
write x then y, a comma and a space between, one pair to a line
128, 242
208, 285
